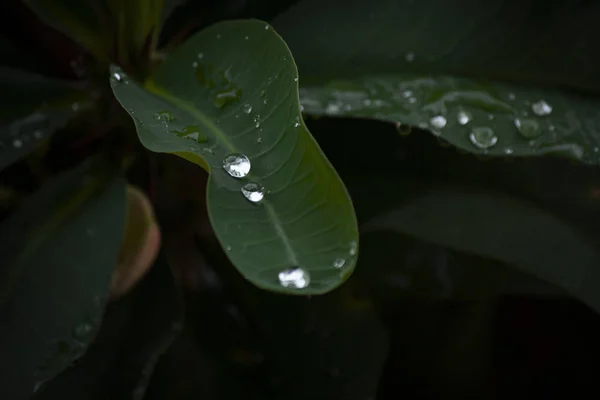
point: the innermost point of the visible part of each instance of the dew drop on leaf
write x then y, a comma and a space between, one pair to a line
464, 117
83, 331
541, 108
528, 128
339, 262
247, 108
403, 129
164, 116
236, 165
253, 191
439, 121
483, 137
295, 278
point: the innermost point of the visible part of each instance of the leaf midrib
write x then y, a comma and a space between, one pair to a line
164, 94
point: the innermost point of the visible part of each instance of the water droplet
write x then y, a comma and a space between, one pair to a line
83, 331
508, 150
511, 96
412, 100
339, 262
410, 56
490, 116
266, 27
200, 56
296, 124
164, 116
253, 192
541, 108
226, 97
528, 128
38, 134
439, 121
403, 129
246, 38
236, 165
17, 143
75, 107
191, 132
295, 278
247, 108
117, 77
259, 140
464, 117
228, 247
353, 248
483, 137
423, 125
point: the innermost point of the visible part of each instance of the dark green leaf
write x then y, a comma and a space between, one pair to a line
33, 107
83, 21
501, 228
135, 332
230, 90
57, 255
434, 64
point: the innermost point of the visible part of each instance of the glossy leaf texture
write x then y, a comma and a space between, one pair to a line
501, 228
496, 78
32, 108
288, 223
57, 255
80, 20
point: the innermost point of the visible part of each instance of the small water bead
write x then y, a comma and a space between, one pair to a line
511, 96
246, 38
17, 143
333, 108
423, 125
403, 129
295, 278
353, 248
528, 128
296, 79
464, 117
438, 122
236, 165
541, 108
508, 150
247, 108
259, 140
410, 56
164, 116
339, 262
483, 137
412, 100
296, 124
253, 191
407, 93
117, 77
83, 331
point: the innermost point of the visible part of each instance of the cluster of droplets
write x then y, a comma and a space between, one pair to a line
26, 131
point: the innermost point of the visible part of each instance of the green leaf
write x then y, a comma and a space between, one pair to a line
32, 108
489, 77
501, 228
83, 21
57, 255
231, 89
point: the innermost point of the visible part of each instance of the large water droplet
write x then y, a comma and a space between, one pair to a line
528, 128
295, 278
253, 192
483, 137
117, 77
464, 117
339, 262
247, 108
541, 108
438, 122
236, 165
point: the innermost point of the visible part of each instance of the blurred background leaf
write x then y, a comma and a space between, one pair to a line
57, 254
